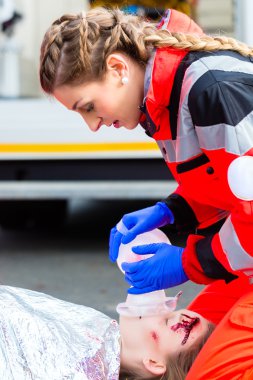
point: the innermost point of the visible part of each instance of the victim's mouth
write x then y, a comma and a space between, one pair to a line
187, 325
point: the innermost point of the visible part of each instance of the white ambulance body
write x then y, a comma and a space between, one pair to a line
47, 152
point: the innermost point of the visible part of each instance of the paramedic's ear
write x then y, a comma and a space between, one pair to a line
118, 64
156, 368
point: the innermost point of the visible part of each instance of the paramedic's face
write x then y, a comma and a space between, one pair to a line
162, 336
108, 102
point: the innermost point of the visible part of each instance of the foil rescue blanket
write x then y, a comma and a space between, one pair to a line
43, 338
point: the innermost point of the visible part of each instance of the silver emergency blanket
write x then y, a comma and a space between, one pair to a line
43, 338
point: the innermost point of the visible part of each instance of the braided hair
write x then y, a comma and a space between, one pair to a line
75, 48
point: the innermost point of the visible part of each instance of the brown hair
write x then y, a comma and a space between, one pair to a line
75, 48
179, 365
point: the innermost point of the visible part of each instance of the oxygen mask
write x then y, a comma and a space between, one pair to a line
147, 304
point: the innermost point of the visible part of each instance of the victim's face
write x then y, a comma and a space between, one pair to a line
107, 102
162, 336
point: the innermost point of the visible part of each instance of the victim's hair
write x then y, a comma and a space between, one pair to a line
75, 48
178, 365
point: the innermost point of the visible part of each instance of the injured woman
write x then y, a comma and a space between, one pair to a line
45, 338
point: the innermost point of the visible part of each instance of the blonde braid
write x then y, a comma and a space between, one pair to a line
50, 54
164, 38
64, 49
85, 42
126, 36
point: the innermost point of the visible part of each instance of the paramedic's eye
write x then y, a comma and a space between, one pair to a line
89, 107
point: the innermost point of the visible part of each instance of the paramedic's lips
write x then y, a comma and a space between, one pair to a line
116, 124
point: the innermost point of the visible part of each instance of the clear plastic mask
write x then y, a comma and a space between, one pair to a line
147, 304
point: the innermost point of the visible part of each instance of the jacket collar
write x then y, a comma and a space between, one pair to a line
161, 69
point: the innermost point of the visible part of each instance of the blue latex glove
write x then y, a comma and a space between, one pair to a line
138, 222
161, 271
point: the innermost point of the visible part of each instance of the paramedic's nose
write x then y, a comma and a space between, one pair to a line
91, 124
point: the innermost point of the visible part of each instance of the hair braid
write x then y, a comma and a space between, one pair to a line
84, 43
164, 38
50, 54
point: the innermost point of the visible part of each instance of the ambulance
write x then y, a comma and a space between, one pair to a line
48, 154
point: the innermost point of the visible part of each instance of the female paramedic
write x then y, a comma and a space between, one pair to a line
190, 92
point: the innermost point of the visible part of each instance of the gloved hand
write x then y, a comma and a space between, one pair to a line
161, 271
138, 222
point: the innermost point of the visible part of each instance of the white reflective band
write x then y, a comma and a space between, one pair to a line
187, 146
235, 139
168, 149
182, 149
237, 257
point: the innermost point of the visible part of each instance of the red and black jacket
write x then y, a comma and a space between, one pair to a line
198, 106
